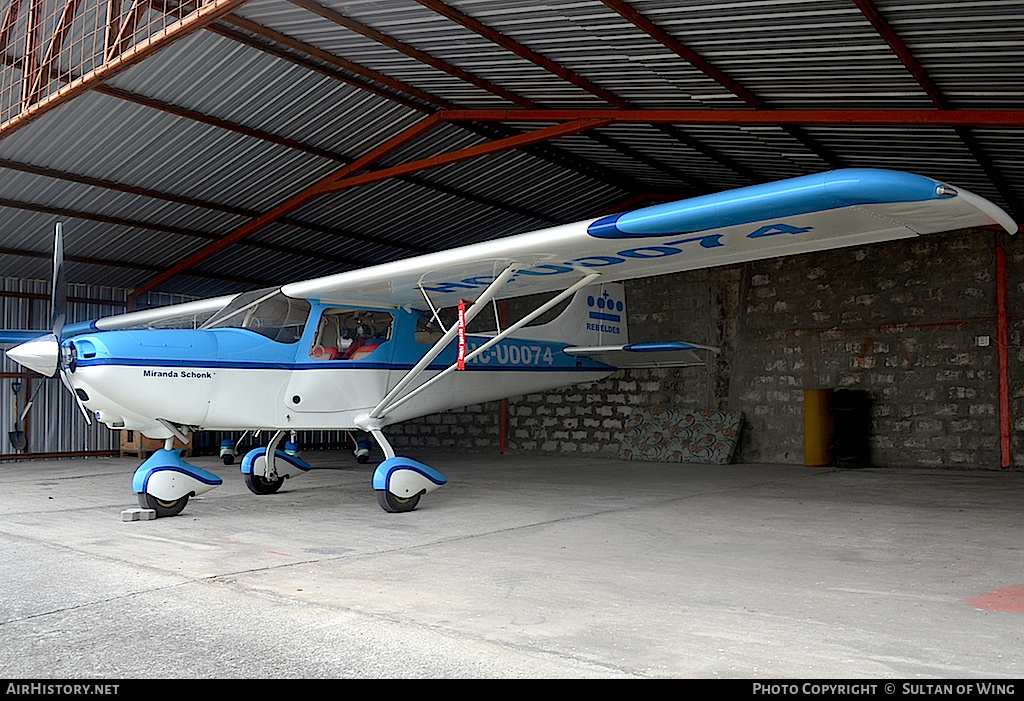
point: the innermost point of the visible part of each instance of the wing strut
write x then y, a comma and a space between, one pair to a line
481, 302
433, 309
583, 282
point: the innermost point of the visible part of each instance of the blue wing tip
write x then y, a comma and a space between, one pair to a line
776, 200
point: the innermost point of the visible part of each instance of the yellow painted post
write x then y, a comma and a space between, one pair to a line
818, 428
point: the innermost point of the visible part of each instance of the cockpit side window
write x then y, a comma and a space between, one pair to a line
268, 312
350, 334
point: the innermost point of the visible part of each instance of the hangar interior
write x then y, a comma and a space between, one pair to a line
182, 144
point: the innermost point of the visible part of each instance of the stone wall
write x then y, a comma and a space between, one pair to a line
899, 319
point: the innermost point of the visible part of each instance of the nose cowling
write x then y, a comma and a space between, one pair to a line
40, 354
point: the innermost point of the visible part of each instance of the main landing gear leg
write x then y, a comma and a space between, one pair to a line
266, 469
400, 482
165, 482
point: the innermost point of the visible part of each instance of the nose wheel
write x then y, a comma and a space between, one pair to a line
396, 505
161, 507
258, 484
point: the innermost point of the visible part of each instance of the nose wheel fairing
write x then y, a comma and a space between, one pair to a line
406, 480
165, 482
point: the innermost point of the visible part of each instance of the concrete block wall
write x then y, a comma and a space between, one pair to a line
899, 319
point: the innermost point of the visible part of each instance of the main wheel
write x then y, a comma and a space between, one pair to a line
162, 508
258, 484
396, 505
228, 459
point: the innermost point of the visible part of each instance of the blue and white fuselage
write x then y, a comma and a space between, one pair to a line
236, 378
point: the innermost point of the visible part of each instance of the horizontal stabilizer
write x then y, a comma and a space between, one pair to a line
669, 354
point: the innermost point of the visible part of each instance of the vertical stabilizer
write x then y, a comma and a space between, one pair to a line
596, 316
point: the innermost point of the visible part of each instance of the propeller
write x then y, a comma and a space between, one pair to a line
46, 354
59, 288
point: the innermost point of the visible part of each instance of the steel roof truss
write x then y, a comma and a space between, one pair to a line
47, 64
120, 38
207, 13
7, 27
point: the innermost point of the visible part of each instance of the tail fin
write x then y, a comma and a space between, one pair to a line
596, 316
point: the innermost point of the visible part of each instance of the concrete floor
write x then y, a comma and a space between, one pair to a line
520, 567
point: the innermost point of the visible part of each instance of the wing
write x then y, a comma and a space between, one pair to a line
801, 215
811, 213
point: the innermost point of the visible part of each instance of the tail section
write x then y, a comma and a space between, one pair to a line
594, 326
596, 316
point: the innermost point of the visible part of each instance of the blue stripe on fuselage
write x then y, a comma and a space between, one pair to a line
234, 349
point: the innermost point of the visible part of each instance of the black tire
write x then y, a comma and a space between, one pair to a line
228, 459
363, 459
162, 508
396, 505
259, 484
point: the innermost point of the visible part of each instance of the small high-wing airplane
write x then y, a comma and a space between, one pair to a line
365, 349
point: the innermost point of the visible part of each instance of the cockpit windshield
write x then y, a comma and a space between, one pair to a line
267, 312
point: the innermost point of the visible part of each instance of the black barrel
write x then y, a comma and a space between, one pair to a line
851, 415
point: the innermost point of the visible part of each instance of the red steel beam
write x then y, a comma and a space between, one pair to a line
371, 33
272, 138
579, 81
203, 204
1003, 361
345, 179
523, 52
292, 203
902, 51
174, 32
906, 56
513, 97
398, 88
290, 249
684, 52
849, 117
540, 135
703, 65
423, 57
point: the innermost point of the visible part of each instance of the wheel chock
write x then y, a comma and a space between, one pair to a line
138, 515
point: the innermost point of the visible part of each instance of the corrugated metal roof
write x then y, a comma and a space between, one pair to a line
193, 142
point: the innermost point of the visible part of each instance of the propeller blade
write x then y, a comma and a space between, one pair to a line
65, 377
59, 293
31, 401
